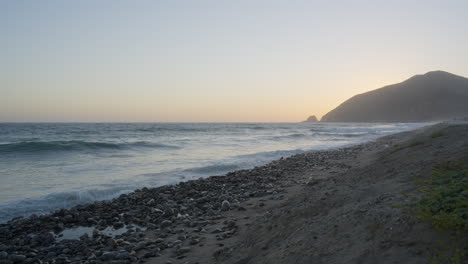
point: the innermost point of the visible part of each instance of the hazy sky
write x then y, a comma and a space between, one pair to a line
266, 61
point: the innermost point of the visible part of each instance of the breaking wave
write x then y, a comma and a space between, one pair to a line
75, 145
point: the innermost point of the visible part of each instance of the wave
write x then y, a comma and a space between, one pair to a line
338, 134
54, 201
290, 136
74, 145
213, 169
166, 129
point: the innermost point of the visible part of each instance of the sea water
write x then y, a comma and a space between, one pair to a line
47, 166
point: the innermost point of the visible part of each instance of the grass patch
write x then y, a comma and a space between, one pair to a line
437, 134
443, 202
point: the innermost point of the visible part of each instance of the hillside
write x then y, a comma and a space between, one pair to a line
436, 95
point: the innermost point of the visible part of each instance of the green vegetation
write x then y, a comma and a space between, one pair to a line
437, 134
444, 203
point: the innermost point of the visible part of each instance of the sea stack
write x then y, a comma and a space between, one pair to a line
311, 119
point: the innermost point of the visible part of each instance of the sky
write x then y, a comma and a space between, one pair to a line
215, 61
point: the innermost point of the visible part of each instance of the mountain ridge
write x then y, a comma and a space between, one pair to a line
433, 96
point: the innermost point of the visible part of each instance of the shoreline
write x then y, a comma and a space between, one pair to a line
22, 197
198, 221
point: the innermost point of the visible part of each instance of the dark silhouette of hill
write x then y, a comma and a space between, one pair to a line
434, 96
311, 119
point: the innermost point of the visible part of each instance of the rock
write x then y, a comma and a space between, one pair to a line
118, 225
151, 202
311, 119
183, 250
158, 240
3, 255
17, 258
111, 243
166, 223
169, 211
68, 218
225, 205
150, 255
176, 242
59, 227
109, 255
217, 230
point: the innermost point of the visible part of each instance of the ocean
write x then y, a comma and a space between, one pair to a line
47, 166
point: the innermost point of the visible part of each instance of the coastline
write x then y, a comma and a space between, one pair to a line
230, 218
41, 176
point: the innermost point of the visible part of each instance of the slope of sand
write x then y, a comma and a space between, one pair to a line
337, 206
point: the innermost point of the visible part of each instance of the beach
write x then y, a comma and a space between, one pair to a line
331, 206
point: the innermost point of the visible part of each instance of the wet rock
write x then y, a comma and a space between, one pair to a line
68, 218
59, 227
112, 243
109, 255
118, 225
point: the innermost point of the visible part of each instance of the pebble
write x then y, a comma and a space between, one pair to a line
225, 205
17, 258
183, 250
166, 223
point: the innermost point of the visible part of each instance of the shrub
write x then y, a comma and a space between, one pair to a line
444, 203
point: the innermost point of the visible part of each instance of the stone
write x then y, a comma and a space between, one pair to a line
183, 250
109, 255
111, 243
225, 205
17, 258
166, 223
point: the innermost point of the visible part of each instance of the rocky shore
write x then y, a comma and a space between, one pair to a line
210, 220
169, 220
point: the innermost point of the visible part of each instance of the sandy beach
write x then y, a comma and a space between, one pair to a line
318, 207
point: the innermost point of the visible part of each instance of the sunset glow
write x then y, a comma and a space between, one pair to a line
215, 61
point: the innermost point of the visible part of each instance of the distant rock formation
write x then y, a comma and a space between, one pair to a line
434, 96
311, 119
